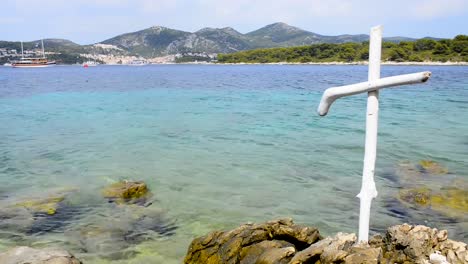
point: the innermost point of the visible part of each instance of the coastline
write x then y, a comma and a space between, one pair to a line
394, 63
332, 63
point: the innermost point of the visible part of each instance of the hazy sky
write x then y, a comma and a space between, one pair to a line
90, 21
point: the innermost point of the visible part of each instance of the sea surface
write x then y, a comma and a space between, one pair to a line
218, 145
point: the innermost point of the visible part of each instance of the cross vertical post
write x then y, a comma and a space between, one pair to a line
371, 87
368, 189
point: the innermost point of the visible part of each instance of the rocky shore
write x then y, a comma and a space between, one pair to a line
395, 63
284, 242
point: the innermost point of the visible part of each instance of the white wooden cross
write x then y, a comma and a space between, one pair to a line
372, 87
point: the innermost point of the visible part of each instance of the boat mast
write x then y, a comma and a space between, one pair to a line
22, 52
43, 52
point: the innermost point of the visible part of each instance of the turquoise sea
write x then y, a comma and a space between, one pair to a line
218, 146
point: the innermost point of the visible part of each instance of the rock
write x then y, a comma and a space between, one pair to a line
338, 248
27, 255
437, 258
268, 251
364, 255
312, 253
456, 252
417, 243
127, 192
246, 244
411, 243
432, 167
281, 242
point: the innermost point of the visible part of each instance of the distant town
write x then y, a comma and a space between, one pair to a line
107, 57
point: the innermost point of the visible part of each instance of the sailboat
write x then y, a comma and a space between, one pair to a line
32, 62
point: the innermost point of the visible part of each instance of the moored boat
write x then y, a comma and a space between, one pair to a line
32, 62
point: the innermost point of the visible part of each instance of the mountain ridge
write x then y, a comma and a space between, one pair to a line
157, 41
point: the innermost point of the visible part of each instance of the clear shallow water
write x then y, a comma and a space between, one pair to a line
222, 145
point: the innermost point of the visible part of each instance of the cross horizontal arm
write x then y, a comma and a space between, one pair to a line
331, 94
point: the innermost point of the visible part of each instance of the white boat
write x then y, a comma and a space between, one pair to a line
32, 62
7, 64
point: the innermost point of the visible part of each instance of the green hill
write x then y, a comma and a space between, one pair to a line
454, 50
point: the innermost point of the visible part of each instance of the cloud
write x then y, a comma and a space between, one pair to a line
429, 9
93, 20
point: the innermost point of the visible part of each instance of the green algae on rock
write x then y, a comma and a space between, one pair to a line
47, 205
449, 201
417, 196
38, 213
432, 167
127, 192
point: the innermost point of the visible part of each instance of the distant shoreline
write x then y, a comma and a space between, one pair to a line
333, 63
394, 63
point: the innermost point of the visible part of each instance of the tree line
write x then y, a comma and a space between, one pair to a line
454, 50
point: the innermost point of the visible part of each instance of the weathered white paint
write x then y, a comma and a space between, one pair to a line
368, 189
372, 87
331, 94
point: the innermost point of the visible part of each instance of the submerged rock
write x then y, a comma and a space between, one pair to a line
283, 242
107, 241
48, 205
127, 192
27, 255
66, 214
38, 214
449, 201
408, 173
112, 232
432, 167
15, 219
416, 196
428, 186
45, 204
